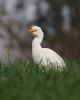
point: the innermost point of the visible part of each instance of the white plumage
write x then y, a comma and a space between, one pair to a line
44, 56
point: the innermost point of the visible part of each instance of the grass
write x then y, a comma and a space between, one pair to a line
27, 82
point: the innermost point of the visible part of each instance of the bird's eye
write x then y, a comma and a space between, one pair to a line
35, 30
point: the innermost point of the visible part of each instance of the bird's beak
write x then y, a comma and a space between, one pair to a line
31, 30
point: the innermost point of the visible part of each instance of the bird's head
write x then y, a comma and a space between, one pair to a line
36, 31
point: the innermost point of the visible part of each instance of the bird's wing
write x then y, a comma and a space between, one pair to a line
53, 56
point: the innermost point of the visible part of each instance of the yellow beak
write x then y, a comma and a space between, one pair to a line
31, 30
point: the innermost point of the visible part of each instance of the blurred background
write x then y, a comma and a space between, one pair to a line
59, 19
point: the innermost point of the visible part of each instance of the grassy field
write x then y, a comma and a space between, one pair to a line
27, 82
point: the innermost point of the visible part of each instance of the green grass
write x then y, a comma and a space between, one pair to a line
27, 82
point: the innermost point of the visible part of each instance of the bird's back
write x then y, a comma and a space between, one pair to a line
53, 57
50, 58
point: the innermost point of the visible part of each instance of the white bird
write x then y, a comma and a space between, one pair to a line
45, 57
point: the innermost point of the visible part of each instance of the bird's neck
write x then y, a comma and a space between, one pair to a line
36, 44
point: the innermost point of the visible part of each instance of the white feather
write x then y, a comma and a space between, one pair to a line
45, 56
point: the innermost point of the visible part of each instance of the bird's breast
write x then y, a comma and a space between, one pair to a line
37, 55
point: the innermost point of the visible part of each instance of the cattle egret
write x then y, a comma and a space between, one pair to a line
44, 57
